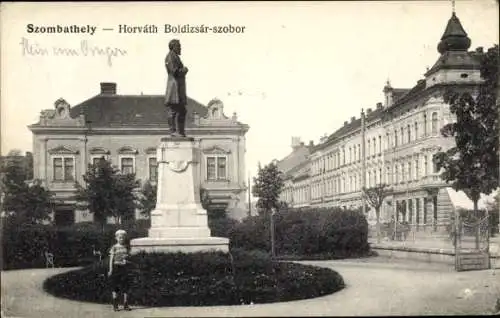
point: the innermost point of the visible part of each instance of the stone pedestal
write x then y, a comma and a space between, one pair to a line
179, 222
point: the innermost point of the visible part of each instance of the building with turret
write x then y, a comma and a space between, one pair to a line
126, 129
393, 143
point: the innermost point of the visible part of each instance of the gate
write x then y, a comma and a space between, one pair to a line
472, 244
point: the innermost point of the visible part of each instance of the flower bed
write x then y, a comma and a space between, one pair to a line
201, 279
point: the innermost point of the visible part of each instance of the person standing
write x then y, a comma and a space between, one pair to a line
118, 269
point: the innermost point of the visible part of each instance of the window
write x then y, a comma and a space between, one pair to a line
425, 166
127, 165
343, 156
388, 176
359, 152
368, 149
409, 133
380, 144
409, 172
425, 124
374, 146
403, 172
402, 135
395, 138
416, 170
369, 179
396, 174
434, 123
216, 168
350, 154
63, 168
416, 130
380, 175
153, 169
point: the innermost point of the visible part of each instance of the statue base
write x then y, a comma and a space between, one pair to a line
184, 245
178, 223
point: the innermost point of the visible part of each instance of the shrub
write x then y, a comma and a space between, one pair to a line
201, 279
306, 232
221, 226
24, 247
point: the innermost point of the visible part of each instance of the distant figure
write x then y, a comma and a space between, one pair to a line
175, 95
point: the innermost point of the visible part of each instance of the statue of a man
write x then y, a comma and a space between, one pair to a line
175, 95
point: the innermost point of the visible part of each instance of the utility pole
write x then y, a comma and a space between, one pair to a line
249, 196
363, 160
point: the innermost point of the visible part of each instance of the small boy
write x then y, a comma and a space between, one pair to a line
118, 269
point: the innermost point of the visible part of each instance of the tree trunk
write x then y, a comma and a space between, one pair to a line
377, 212
478, 225
272, 234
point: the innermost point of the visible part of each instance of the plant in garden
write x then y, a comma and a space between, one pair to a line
147, 200
107, 192
375, 197
267, 188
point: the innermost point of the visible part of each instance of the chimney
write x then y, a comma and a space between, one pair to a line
379, 106
295, 143
108, 88
353, 118
345, 123
368, 111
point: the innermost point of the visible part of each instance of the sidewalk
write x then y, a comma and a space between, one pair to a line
375, 286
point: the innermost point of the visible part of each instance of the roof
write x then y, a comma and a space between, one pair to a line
454, 28
106, 110
295, 158
456, 60
351, 126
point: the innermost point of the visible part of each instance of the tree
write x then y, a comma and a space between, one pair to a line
147, 201
494, 213
108, 193
23, 203
375, 197
472, 165
267, 188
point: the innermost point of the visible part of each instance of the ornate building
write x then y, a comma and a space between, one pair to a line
393, 143
126, 130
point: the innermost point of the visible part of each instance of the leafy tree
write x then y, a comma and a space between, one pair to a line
472, 165
267, 187
108, 193
375, 197
22, 202
147, 201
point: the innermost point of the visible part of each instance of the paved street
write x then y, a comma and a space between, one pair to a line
375, 286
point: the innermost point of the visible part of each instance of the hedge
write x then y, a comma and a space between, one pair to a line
24, 246
333, 232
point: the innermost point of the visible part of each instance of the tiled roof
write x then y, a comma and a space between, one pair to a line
397, 93
456, 59
130, 110
294, 159
353, 125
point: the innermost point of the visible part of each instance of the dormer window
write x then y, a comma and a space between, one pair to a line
464, 75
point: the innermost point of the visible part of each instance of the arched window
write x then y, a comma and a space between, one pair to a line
395, 138
434, 123
416, 130
409, 133
374, 146
380, 144
402, 135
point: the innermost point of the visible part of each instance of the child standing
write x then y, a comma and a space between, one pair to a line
118, 269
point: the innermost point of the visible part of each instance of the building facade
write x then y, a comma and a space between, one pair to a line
126, 129
393, 143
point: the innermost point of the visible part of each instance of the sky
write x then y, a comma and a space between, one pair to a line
298, 69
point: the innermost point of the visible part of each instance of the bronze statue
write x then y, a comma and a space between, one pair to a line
175, 95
